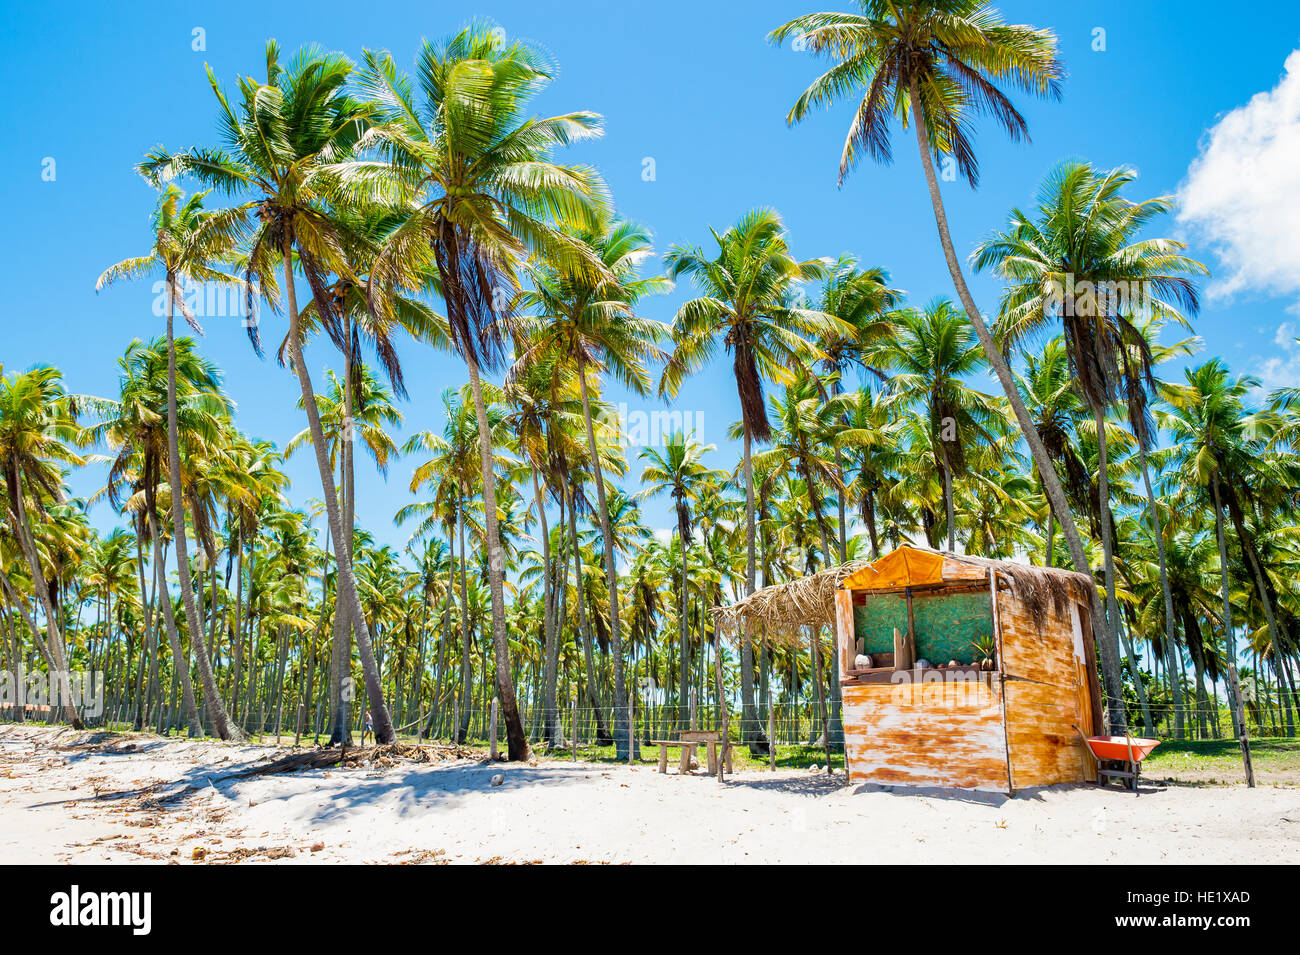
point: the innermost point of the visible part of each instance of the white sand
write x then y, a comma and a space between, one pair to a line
85, 805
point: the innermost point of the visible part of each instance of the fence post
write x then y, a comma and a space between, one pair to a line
631, 733
573, 730
771, 736
492, 730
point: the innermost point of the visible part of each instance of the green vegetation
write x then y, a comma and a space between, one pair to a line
386, 215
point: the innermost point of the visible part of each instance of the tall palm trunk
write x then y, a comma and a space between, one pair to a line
340, 637
52, 648
1170, 653
1108, 639
584, 629
551, 658
346, 601
683, 621
1229, 638
835, 728
461, 731
1107, 526
180, 662
148, 636
750, 731
949, 510
221, 726
611, 578
516, 739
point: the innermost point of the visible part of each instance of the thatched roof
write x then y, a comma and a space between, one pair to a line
780, 612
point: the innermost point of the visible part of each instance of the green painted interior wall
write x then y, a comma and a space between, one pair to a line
946, 626
875, 620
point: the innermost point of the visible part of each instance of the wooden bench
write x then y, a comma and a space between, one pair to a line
689, 741
687, 748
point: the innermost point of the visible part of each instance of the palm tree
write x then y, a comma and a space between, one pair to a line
546, 421
487, 187
187, 243
356, 409
863, 299
808, 435
930, 353
679, 470
872, 459
1219, 447
933, 64
291, 143
1081, 263
154, 375
37, 425
1055, 407
590, 322
747, 307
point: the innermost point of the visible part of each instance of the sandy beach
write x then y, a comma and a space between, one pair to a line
68, 797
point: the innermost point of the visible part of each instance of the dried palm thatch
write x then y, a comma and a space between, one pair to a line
782, 612
1037, 588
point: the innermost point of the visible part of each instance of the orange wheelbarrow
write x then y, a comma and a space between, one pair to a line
1120, 757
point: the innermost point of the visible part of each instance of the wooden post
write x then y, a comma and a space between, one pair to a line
692, 706
492, 730
631, 732
725, 727
455, 725
573, 729
910, 643
771, 736
1244, 739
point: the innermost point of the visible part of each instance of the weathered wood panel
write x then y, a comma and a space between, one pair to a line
1043, 649
928, 734
1045, 749
844, 630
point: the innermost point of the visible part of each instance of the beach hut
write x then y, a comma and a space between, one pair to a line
955, 671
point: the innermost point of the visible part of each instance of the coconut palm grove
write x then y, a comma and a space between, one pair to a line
528, 448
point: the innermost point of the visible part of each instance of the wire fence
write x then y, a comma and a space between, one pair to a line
786, 723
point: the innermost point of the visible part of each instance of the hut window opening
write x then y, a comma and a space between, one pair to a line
935, 627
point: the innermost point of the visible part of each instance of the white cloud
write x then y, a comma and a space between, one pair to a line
1242, 193
1282, 370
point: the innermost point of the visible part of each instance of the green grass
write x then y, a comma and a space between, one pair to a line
1275, 760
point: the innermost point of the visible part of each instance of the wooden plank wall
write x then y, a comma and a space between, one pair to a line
844, 629
931, 734
1047, 694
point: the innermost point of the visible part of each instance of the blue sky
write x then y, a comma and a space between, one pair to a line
693, 86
